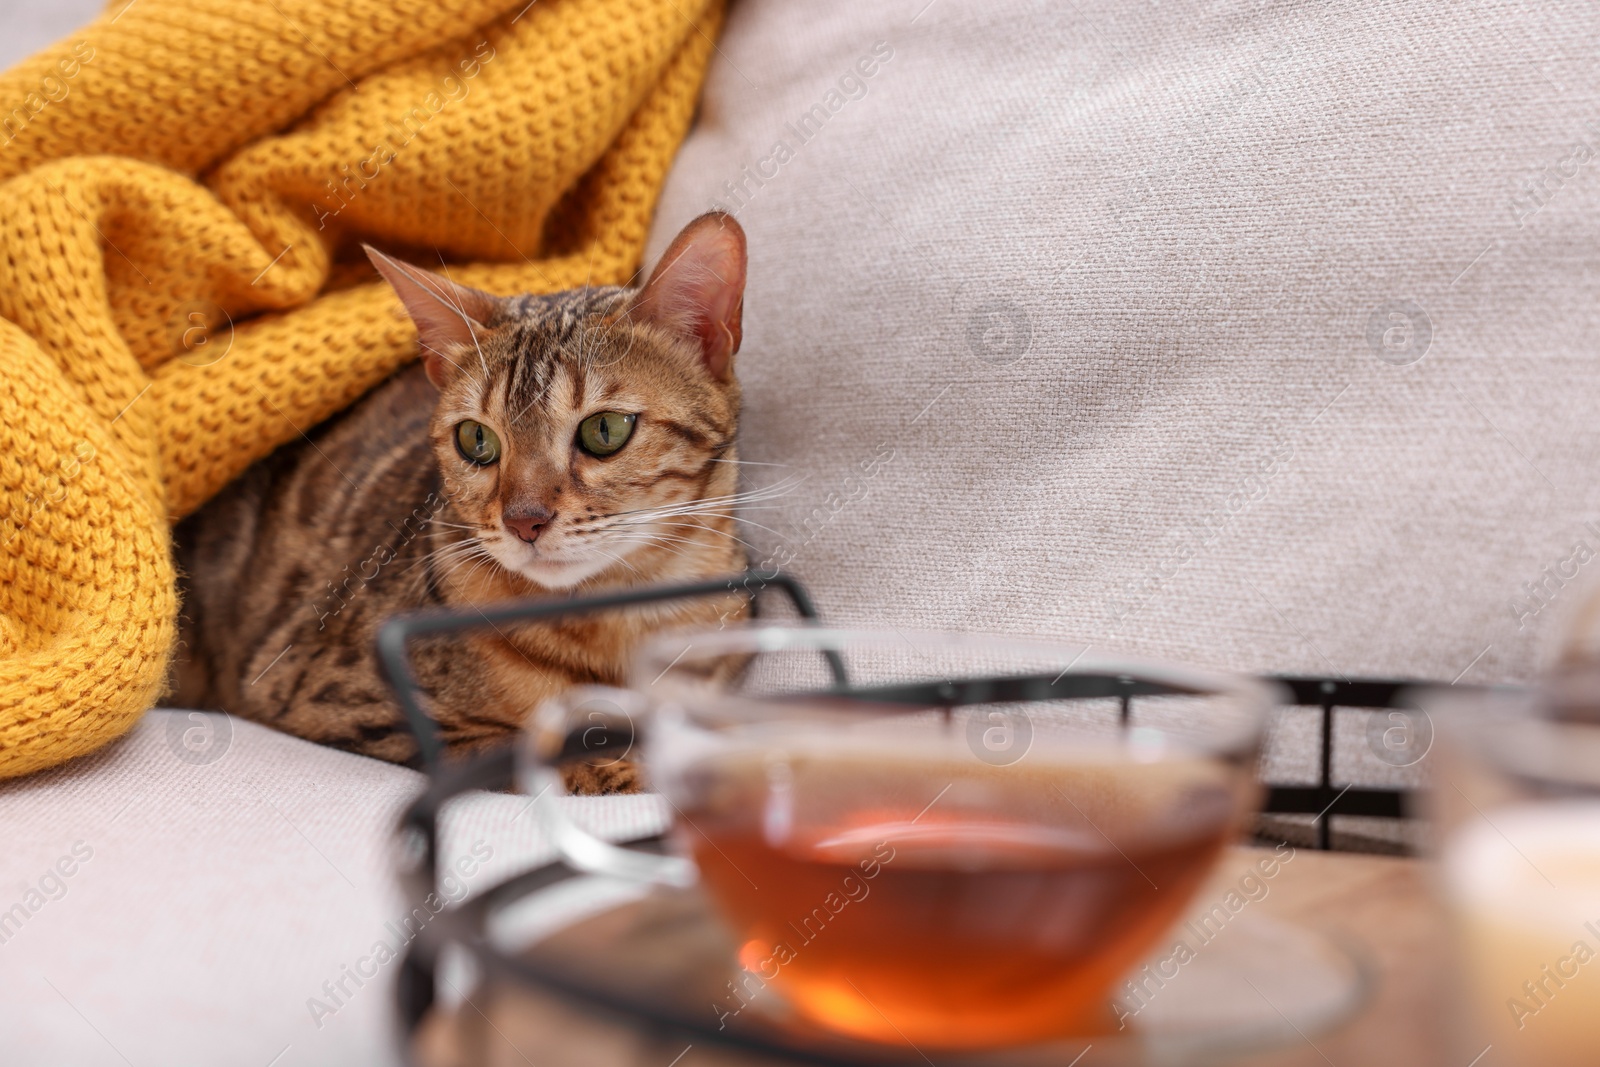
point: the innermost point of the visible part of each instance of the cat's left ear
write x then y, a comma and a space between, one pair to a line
448, 316
697, 290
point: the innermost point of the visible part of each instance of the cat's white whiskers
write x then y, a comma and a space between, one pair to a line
650, 539
681, 511
730, 500
648, 517
707, 529
616, 559
668, 548
452, 553
626, 533
440, 557
688, 512
757, 525
486, 560
470, 550
688, 526
640, 537
748, 496
463, 545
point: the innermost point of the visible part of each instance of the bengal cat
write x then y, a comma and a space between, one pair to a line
544, 446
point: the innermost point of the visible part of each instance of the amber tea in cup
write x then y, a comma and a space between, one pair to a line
999, 912
906, 858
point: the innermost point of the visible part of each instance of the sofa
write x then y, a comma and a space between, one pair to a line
1249, 333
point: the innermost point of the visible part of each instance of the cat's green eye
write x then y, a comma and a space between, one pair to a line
603, 434
477, 443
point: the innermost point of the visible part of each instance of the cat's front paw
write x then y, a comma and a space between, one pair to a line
585, 779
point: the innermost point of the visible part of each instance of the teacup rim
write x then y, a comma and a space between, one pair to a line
661, 652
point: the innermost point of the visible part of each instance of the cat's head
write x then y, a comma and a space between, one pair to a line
590, 429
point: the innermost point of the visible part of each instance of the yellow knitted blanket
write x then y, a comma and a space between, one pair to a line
186, 186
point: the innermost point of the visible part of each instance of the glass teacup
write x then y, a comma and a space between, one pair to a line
1518, 794
923, 839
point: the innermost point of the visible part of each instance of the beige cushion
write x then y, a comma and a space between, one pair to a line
1101, 278
1061, 328
1224, 332
185, 893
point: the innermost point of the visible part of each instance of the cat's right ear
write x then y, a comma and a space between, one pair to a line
449, 317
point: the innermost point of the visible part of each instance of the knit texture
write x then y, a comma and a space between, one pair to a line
187, 186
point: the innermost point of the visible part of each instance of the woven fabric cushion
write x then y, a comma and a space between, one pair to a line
1258, 335
183, 896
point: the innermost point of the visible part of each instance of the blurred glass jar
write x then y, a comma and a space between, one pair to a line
1518, 809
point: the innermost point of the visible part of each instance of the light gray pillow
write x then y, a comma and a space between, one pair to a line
199, 891
1260, 335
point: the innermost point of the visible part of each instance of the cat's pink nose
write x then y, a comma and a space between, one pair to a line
527, 521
